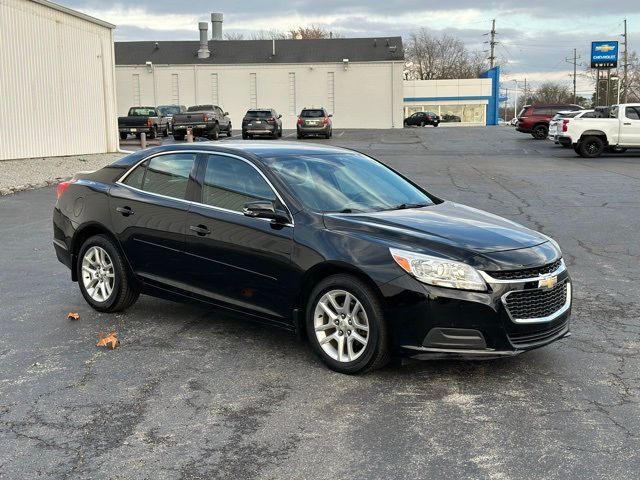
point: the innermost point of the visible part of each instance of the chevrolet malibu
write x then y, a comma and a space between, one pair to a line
319, 240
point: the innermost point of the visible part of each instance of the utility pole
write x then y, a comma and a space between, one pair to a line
574, 63
492, 43
626, 61
525, 91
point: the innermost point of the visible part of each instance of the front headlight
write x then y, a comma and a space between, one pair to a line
439, 271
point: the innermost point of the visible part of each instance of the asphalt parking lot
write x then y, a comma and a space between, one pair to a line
193, 394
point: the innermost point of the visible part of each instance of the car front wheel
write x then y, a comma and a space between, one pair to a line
345, 325
102, 276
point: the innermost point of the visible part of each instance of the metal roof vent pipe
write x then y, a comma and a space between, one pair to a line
203, 51
216, 26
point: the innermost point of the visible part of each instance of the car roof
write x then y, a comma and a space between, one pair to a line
255, 149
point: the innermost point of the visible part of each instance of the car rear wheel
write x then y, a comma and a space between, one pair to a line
179, 136
215, 133
229, 133
165, 132
102, 276
123, 136
540, 132
590, 147
153, 133
346, 326
422, 124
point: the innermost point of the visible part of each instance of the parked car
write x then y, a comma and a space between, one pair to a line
590, 137
143, 120
316, 239
169, 111
204, 120
422, 119
314, 121
262, 121
555, 123
534, 119
449, 117
514, 121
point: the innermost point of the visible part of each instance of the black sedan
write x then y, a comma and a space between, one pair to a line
422, 119
319, 240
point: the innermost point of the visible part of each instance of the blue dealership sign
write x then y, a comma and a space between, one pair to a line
604, 54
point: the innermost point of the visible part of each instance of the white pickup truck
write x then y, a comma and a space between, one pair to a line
590, 137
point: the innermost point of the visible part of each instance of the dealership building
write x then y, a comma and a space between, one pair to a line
360, 81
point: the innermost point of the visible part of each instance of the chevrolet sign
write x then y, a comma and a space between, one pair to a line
604, 54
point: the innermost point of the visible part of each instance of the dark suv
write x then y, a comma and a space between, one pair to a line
534, 119
314, 121
261, 121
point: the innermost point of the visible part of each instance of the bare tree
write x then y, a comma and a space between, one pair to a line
272, 34
429, 57
233, 36
552, 92
311, 32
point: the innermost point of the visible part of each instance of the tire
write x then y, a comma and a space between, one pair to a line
179, 136
300, 136
123, 136
215, 133
328, 136
540, 132
422, 124
435, 124
591, 147
165, 132
371, 355
229, 131
100, 250
280, 133
153, 133
245, 135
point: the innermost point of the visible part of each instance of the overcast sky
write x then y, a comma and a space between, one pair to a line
535, 37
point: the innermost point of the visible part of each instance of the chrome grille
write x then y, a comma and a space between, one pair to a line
536, 303
526, 273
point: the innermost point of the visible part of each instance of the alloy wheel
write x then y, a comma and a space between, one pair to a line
341, 325
98, 274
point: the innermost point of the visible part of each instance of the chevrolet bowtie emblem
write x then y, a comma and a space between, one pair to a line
547, 282
605, 48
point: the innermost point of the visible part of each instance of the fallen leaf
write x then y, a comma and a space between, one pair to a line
110, 341
73, 316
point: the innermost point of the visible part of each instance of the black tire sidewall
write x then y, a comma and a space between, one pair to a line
540, 128
374, 315
583, 147
118, 263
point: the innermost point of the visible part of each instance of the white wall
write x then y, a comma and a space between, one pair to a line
366, 95
468, 87
56, 83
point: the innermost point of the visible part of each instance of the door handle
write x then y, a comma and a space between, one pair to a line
201, 230
626, 123
125, 211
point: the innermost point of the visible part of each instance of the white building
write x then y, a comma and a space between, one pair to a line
358, 80
57, 83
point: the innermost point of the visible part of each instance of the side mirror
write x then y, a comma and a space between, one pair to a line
226, 114
264, 209
280, 116
330, 115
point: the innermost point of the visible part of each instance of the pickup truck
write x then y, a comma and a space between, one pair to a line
204, 120
143, 119
590, 137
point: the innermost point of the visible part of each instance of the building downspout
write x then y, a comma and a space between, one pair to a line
393, 86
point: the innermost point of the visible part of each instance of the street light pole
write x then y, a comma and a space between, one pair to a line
515, 105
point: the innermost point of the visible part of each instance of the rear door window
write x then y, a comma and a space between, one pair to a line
166, 175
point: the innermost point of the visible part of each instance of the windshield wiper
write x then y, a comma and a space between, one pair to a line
404, 206
351, 210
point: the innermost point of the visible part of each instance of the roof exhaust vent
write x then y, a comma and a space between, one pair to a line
203, 51
216, 26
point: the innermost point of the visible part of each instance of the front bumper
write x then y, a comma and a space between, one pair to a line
427, 321
563, 140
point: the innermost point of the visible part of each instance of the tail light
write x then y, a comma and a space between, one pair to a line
245, 119
271, 120
564, 125
173, 120
299, 121
205, 118
62, 187
149, 122
325, 120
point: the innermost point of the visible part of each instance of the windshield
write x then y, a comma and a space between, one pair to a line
141, 112
346, 182
171, 110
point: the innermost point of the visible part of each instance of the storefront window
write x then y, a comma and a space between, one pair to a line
465, 113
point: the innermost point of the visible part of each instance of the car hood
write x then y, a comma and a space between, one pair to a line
446, 227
